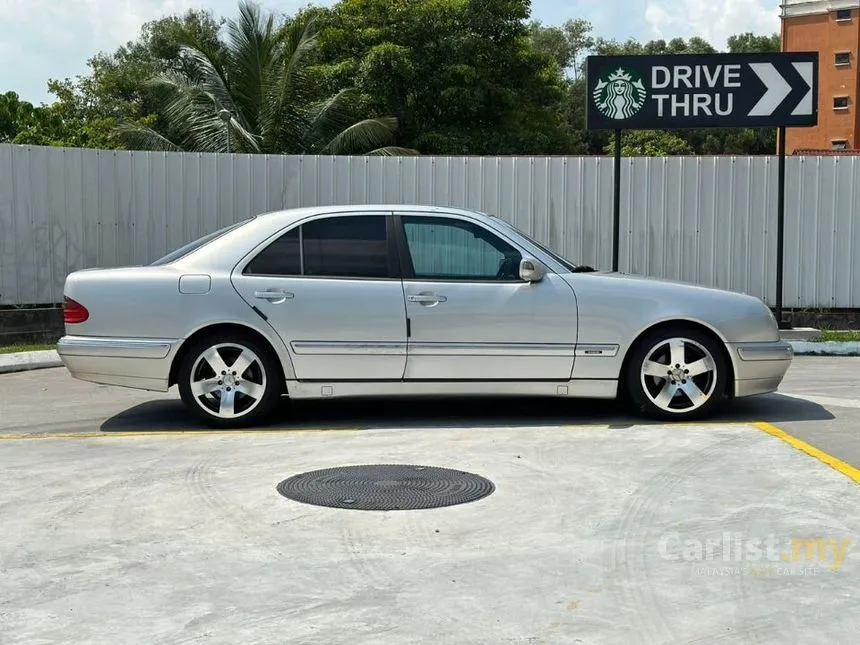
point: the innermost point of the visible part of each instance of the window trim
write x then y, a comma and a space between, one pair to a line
848, 19
842, 107
394, 272
836, 56
407, 267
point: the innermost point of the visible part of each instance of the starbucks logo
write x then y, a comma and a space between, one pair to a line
619, 94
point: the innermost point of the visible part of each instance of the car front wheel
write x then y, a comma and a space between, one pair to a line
677, 374
229, 381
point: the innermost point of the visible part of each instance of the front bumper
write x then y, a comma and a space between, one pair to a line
760, 367
141, 363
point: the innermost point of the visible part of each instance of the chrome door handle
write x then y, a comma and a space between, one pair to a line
273, 295
427, 299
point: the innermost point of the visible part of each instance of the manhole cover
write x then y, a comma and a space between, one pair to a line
390, 487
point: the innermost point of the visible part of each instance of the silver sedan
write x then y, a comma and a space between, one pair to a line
388, 301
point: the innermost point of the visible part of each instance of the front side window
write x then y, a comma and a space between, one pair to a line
336, 247
448, 249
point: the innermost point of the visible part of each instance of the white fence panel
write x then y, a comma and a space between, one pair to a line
708, 220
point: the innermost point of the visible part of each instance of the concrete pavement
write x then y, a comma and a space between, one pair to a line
126, 521
633, 534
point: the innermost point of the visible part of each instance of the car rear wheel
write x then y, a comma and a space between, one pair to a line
229, 381
677, 374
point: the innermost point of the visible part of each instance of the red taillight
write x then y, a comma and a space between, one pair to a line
73, 311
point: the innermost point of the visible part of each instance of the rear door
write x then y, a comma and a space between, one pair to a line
330, 288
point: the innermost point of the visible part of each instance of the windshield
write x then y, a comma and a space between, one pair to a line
196, 244
555, 256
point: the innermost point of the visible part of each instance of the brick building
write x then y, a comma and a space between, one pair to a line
832, 28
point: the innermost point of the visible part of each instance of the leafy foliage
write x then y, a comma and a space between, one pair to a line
650, 143
461, 76
383, 77
253, 94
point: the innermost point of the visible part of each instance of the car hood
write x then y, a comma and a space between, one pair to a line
666, 284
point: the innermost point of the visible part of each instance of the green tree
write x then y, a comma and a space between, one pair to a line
750, 43
461, 76
14, 114
650, 143
259, 79
115, 91
632, 47
22, 123
565, 45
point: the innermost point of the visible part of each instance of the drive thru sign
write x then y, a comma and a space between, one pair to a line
702, 91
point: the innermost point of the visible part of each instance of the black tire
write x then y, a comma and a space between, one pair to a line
655, 346
263, 375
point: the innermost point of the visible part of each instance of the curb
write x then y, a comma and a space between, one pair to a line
24, 361
825, 348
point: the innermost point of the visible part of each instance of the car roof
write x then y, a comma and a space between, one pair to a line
289, 215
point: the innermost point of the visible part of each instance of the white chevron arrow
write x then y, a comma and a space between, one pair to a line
777, 89
806, 71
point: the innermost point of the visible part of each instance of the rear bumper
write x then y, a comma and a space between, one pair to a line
141, 363
760, 367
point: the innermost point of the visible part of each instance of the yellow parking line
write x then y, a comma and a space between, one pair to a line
846, 469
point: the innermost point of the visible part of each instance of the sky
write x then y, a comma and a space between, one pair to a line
42, 39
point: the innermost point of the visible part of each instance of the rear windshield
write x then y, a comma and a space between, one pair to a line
196, 244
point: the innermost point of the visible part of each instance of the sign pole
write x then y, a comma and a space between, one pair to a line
780, 229
616, 206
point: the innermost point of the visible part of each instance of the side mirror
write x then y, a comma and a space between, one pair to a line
531, 270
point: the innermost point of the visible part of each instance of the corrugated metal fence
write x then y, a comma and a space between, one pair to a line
709, 220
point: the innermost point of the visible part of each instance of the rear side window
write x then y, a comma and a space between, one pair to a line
354, 246
281, 257
182, 251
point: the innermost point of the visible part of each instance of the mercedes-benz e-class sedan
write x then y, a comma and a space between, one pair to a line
347, 301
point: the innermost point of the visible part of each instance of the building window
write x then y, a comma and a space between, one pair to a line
840, 102
843, 15
843, 58
839, 144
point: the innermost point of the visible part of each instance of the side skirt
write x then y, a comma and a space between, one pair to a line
579, 388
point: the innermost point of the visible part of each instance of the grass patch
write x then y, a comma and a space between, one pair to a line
841, 336
11, 349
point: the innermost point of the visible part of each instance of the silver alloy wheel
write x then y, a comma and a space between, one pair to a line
228, 380
679, 375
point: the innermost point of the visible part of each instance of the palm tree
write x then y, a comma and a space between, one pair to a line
253, 94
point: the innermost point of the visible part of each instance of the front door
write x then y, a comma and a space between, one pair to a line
471, 316
330, 289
